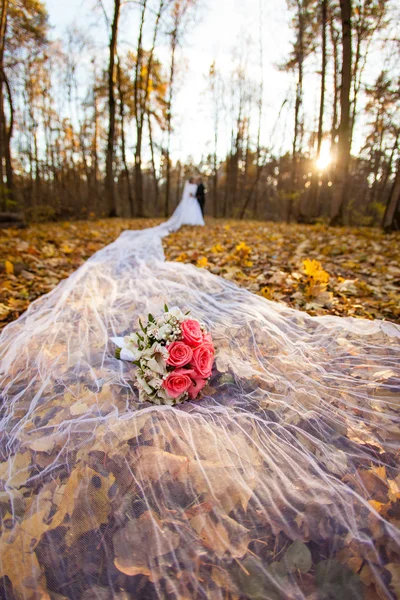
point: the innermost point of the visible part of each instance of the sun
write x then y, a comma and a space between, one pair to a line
325, 158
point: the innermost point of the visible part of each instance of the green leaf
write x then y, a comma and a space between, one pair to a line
166, 309
263, 582
151, 318
297, 558
337, 581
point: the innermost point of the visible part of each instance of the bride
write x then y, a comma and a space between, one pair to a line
188, 211
281, 483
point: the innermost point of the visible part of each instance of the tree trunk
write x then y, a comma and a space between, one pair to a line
344, 143
169, 122
361, 54
110, 188
334, 41
153, 162
215, 174
94, 152
299, 99
123, 145
7, 135
380, 130
260, 113
323, 77
315, 189
389, 166
391, 218
4, 194
139, 112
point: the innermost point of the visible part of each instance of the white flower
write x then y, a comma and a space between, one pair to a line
161, 320
157, 364
156, 383
159, 349
176, 312
144, 385
148, 353
152, 330
164, 332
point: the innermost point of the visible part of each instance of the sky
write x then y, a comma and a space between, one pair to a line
220, 28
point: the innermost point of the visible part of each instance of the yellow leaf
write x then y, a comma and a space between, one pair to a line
9, 267
202, 262
376, 505
267, 293
313, 269
66, 249
18, 559
153, 463
85, 499
43, 444
15, 471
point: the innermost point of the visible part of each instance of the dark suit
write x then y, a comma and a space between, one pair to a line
201, 196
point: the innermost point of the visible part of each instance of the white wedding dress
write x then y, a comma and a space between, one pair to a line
281, 482
188, 211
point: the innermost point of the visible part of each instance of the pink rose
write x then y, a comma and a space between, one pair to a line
197, 385
178, 382
208, 338
203, 358
191, 332
179, 354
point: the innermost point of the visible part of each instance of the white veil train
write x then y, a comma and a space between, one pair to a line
282, 482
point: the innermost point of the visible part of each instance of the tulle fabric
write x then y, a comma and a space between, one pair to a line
281, 482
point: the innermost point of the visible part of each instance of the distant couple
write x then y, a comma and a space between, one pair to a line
190, 210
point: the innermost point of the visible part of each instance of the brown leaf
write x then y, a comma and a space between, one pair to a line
141, 541
18, 559
85, 499
222, 534
376, 487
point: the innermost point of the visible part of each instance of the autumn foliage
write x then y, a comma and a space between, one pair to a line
347, 272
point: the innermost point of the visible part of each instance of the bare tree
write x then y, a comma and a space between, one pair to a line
110, 188
3, 130
142, 93
121, 98
391, 218
368, 18
344, 137
303, 45
314, 191
179, 14
215, 87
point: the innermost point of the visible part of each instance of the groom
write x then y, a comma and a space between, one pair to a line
201, 194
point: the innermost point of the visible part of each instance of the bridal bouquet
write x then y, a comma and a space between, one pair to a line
174, 355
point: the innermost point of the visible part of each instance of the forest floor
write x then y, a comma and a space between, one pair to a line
341, 271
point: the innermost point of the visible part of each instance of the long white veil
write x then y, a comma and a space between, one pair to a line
282, 482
